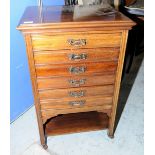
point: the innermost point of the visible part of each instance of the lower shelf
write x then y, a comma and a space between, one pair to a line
77, 122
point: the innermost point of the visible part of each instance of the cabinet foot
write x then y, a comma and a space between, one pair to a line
111, 135
45, 146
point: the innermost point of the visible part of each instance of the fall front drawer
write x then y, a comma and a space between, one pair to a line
75, 103
78, 40
73, 93
75, 69
76, 81
76, 55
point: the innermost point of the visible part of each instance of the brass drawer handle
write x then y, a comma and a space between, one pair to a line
77, 93
82, 56
77, 103
77, 70
78, 42
77, 83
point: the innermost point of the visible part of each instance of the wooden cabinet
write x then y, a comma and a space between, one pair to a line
76, 67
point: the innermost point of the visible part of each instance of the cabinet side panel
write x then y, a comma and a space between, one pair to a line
34, 86
117, 82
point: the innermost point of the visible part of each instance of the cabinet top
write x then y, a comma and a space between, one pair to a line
36, 17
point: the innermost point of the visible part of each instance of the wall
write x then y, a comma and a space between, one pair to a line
20, 89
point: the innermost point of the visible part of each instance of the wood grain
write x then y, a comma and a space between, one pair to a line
63, 69
65, 82
65, 103
117, 83
80, 122
46, 35
57, 42
53, 18
65, 93
35, 89
63, 56
47, 114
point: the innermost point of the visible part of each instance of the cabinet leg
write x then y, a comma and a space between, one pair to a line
110, 135
45, 146
43, 139
44, 143
110, 128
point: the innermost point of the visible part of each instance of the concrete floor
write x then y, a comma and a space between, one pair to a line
128, 136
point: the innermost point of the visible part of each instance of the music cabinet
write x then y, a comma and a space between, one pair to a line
75, 66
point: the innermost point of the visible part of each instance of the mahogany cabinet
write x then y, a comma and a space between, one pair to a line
75, 64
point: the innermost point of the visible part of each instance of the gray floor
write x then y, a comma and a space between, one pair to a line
128, 136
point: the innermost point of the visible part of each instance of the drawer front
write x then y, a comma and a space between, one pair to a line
75, 103
72, 41
76, 81
75, 69
74, 56
74, 93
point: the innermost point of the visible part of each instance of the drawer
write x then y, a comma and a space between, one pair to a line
73, 93
73, 41
76, 55
75, 103
76, 81
75, 69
